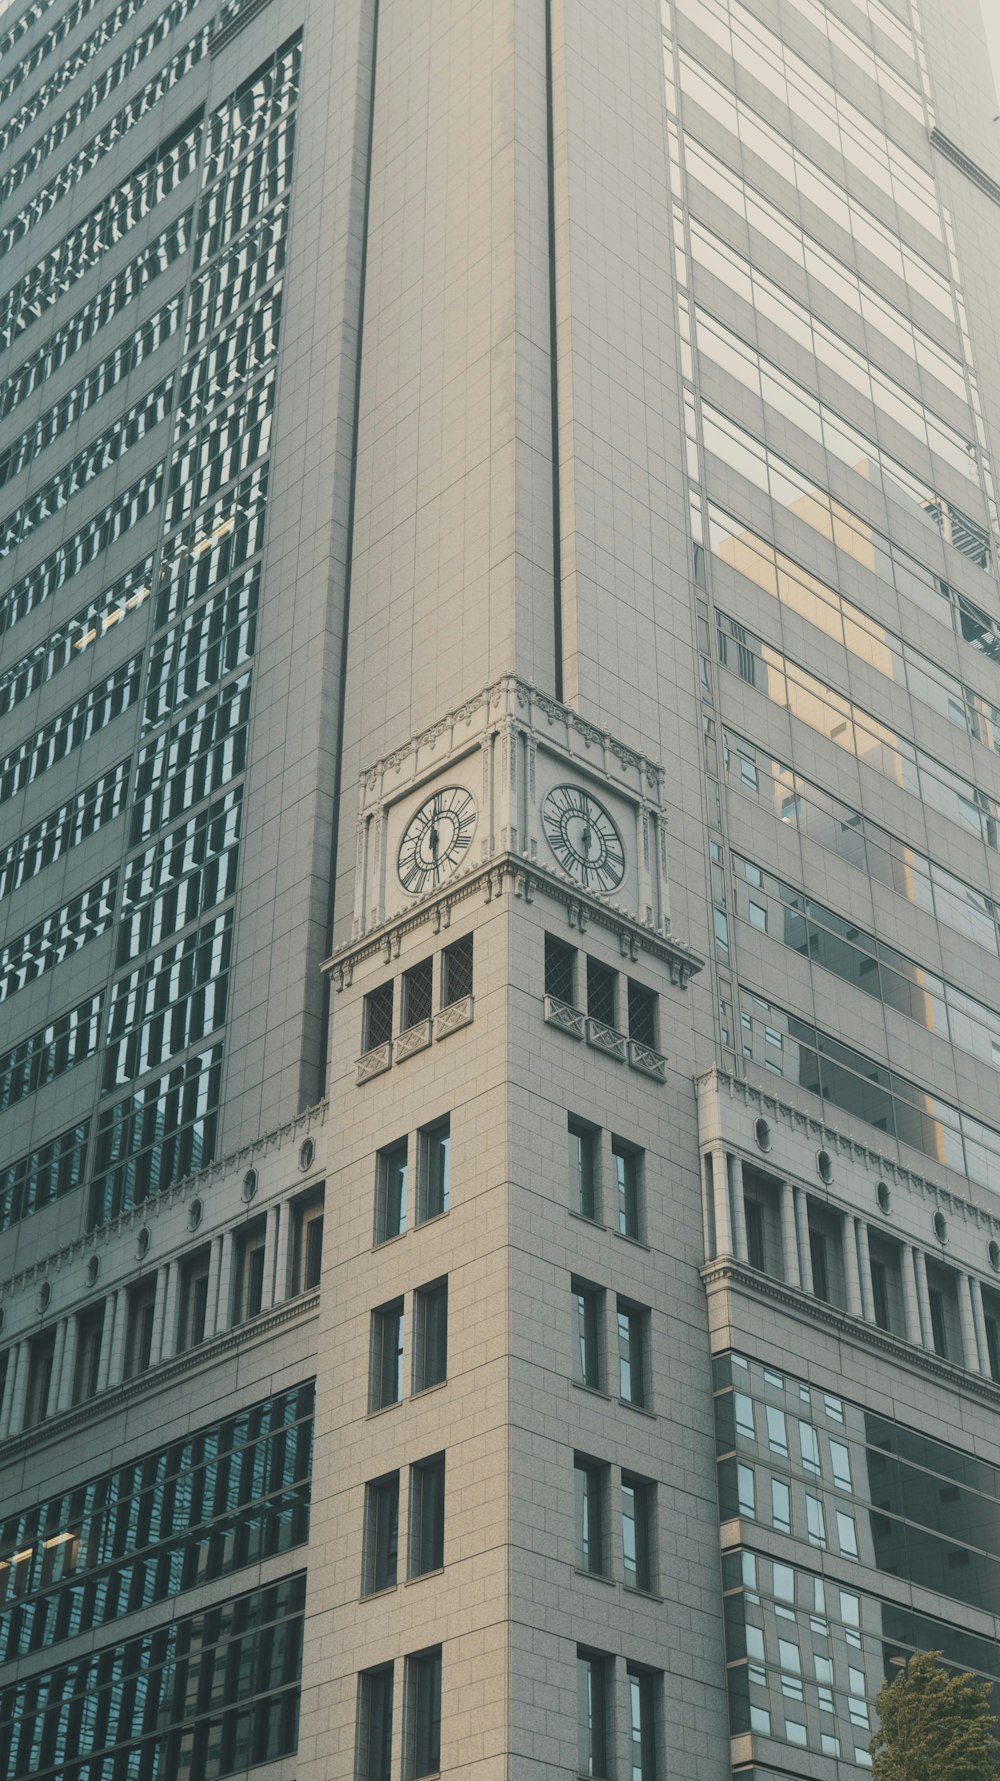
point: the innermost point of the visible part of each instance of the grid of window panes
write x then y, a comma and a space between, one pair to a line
230, 1495
855, 1484
208, 1695
806, 1655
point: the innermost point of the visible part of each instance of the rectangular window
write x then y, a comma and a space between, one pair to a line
381, 1534
638, 1531
628, 1184
939, 1328
89, 1332
593, 1719
602, 992
560, 970
456, 971
307, 1242
434, 1170
633, 1369
374, 1758
139, 1327
584, 1142
880, 1293
417, 995
377, 1028
591, 1486
588, 1307
642, 1025
41, 1354
430, 1335
422, 1752
385, 1384
390, 1191
248, 1286
193, 1311
756, 1243
427, 1516
643, 1689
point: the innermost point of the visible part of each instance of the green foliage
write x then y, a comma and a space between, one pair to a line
935, 1725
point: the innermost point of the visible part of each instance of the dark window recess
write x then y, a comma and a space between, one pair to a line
386, 1373
41, 1354
642, 1014
560, 970
248, 1296
375, 1725
880, 1294
633, 1357
434, 1171
601, 988
628, 1182
638, 1522
390, 1191
89, 1331
427, 1516
993, 1346
593, 1671
418, 995
590, 1479
583, 1149
820, 1268
756, 1246
192, 1321
430, 1335
588, 1309
139, 1339
307, 1246
456, 971
378, 1017
939, 1328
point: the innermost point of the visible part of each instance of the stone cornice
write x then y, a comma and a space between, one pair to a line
509, 871
725, 1272
758, 1101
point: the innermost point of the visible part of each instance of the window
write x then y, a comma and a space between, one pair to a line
628, 1182
427, 1516
593, 1684
386, 1373
248, 1289
456, 971
642, 1014
434, 1170
381, 1534
139, 1327
307, 1242
584, 1141
939, 1331
819, 1257
430, 1335
588, 1306
643, 1689
602, 992
560, 970
633, 1327
193, 1311
390, 1191
374, 1761
89, 1331
591, 1485
41, 1354
418, 995
638, 1531
756, 1244
422, 1752
993, 1345
880, 1294
377, 1017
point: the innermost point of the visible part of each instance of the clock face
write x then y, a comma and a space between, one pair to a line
584, 838
435, 838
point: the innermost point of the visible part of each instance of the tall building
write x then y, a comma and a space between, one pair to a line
499, 883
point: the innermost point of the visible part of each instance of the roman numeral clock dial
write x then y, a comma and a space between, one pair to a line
435, 839
584, 838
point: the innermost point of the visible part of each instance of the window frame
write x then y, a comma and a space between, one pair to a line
391, 1201
428, 1483
386, 1319
430, 1336
433, 1195
622, 1152
422, 1713
380, 1549
638, 1359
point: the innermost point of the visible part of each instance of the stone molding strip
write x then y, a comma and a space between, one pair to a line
977, 174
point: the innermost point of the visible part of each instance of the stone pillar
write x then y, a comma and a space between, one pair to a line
918, 1268
159, 1308
802, 1226
790, 1236
14, 1361
739, 1210
169, 1343
979, 1318
281, 1282
220, 1284
64, 1384
852, 1277
723, 1205
20, 1392
974, 1361
58, 1354
271, 1239
108, 1336
865, 1269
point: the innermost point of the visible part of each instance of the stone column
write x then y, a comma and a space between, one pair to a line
865, 1269
169, 1337
723, 1204
802, 1226
974, 1361
739, 1210
852, 1277
979, 1318
64, 1384
276, 1220
14, 1361
790, 1236
109, 1334
220, 1284
20, 1392
159, 1308
58, 1353
918, 1267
